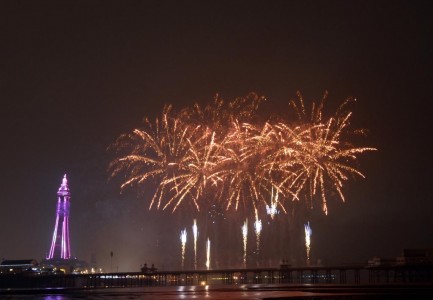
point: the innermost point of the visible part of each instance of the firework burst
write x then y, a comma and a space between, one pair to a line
325, 160
220, 153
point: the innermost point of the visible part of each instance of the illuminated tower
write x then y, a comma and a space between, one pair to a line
60, 247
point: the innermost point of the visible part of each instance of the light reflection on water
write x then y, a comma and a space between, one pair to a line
163, 293
249, 292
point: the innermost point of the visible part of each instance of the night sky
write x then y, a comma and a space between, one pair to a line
74, 75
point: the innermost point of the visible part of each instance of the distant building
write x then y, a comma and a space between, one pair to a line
420, 256
18, 266
66, 266
416, 256
380, 261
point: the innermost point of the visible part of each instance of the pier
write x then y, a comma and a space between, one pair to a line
337, 275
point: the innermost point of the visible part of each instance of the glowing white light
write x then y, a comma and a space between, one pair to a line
308, 233
258, 225
183, 241
272, 208
183, 236
245, 236
195, 233
208, 254
258, 230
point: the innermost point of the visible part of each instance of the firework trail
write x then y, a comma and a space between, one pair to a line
183, 242
258, 230
308, 233
195, 234
245, 239
208, 254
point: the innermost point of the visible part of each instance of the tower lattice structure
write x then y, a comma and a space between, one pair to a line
60, 245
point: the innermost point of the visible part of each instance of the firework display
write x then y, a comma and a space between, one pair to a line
221, 150
227, 155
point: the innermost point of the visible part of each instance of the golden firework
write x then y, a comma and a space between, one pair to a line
221, 151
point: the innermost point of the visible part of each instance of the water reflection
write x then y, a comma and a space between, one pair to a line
222, 292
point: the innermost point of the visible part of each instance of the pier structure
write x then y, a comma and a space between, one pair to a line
311, 276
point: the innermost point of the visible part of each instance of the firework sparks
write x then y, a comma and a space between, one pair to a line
308, 233
272, 209
157, 152
208, 254
258, 230
195, 234
183, 243
245, 240
324, 156
221, 154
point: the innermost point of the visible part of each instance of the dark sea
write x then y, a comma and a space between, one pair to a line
259, 291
